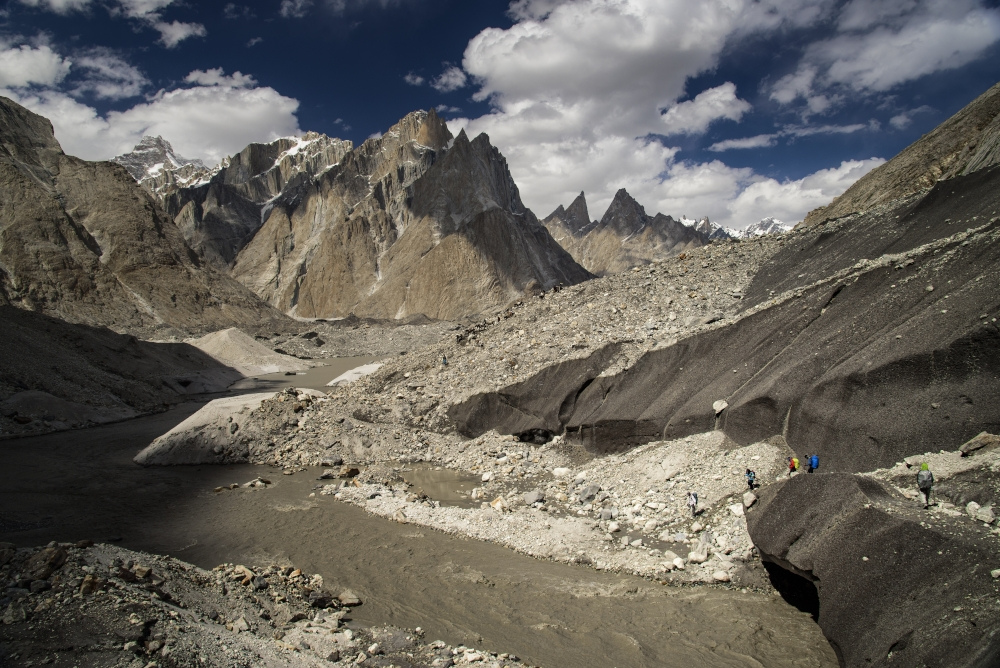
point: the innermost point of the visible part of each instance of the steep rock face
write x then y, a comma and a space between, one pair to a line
862, 363
404, 225
624, 237
82, 241
220, 210
896, 585
966, 142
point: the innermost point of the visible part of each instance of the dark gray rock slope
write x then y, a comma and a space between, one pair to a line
56, 375
892, 585
883, 343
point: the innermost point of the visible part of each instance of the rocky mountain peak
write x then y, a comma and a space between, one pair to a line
151, 156
434, 132
472, 176
625, 216
425, 128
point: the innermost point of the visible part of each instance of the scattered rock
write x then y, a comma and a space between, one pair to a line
533, 497
349, 599
983, 442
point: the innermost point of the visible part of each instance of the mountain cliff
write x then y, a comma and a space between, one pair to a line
624, 237
83, 242
218, 210
404, 225
315, 226
967, 142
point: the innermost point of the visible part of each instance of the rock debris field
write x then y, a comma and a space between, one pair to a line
136, 609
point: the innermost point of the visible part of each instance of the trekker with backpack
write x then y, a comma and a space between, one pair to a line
751, 477
693, 503
793, 465
925, 480
813, 463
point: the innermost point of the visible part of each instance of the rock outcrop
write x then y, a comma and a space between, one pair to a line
625, 237
404, 224
967, 142
890, 583
82, 241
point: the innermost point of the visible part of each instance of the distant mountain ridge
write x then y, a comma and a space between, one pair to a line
624, 237
627, 236
320, 228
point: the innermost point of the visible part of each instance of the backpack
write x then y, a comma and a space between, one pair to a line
925, 479
814, 461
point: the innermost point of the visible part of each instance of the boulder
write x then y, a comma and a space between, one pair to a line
45, 562
589, 493
983, 442
533, 497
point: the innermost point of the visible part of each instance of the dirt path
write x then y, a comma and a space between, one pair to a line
83, 484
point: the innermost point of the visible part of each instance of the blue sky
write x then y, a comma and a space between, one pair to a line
734, 109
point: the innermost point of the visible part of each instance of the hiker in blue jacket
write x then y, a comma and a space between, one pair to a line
751, 477
813, 463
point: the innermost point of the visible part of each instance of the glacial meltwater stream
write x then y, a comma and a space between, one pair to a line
83, 484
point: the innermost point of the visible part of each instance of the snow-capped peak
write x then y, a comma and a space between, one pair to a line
151, 156
764, 226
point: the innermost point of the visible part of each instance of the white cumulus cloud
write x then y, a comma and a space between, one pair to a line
25, 65
757, 141
791, 200
173, 33
450, 80
217, 77
108, 76
207, 120
879, 44
58, 6
294, 9
578, 87
694, 116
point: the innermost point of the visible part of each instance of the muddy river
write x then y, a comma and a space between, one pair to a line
83, 484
